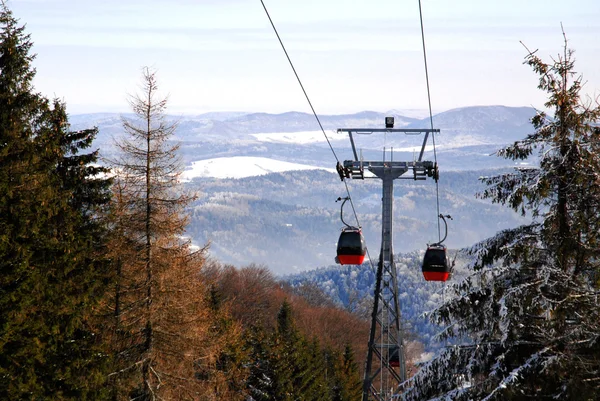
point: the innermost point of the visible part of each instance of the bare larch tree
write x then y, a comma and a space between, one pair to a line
159, 315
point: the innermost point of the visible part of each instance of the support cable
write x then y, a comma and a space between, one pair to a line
316, 116
299, 81
437, 186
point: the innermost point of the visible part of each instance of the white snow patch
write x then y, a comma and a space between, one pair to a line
428, 148
425, 357
241, 167
300, 137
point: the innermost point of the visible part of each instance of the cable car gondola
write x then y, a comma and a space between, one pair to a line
435, 263
436, 266
351, 248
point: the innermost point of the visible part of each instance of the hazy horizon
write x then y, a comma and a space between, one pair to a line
365, 55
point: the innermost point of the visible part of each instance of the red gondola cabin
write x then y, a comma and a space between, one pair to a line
351, 248
435, 263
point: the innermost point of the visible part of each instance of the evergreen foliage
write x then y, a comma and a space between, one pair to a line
526, 322
345, 383
51, 238
285, 365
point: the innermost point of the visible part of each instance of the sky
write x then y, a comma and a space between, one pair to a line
351, 55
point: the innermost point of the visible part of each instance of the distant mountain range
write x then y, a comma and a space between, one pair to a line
288, 219
464, 127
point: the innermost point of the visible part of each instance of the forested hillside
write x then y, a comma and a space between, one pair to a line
275, 219
352, 288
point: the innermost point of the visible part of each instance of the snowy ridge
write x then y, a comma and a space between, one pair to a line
300, 137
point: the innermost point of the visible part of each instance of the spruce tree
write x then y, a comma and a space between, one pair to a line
525, 324
346, 382
226, 371
51, 238
284, 365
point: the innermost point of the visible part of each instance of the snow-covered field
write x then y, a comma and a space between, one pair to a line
300, 137
241, 167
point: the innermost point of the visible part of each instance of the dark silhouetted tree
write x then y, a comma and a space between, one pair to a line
52, 239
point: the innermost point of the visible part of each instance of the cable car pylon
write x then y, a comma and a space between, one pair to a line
385, 370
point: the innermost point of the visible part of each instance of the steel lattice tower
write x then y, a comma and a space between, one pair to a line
385, 365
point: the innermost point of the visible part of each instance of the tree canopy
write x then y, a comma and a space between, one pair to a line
51, 238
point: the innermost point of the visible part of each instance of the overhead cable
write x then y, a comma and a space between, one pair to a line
313, 111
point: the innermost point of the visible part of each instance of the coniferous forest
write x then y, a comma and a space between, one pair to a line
102, 296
